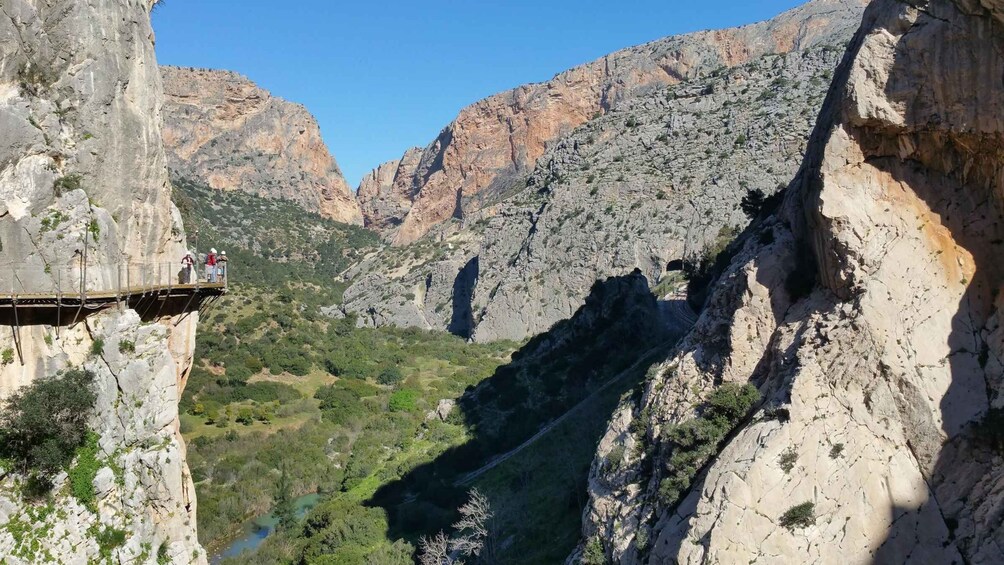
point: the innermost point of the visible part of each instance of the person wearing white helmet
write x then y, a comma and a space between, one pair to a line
221, 266
211, 266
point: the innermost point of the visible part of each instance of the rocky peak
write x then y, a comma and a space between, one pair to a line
385, 193
656, 180
222, 130
502, 136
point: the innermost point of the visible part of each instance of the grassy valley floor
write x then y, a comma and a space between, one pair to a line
390, 426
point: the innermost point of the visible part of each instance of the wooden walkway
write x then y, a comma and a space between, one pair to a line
68, 308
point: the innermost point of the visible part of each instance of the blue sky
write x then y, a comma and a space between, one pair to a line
384, 76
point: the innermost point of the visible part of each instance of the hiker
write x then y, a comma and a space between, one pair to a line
221, 266
187, 262
211, 266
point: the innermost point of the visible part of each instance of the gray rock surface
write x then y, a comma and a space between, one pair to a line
648, 184
493, 143
653, 182
82, 166
875, 383
385, 195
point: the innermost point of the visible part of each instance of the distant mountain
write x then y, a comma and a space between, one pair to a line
222, 130
496, 140
655, 180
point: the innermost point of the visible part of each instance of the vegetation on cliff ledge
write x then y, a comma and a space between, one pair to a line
43, 425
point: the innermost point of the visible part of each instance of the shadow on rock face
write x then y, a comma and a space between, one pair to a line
462, 321
958, 175
554, 400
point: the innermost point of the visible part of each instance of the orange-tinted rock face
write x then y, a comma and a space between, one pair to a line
503, 135
385, 193
223, 130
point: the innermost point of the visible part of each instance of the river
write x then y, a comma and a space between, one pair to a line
260, 528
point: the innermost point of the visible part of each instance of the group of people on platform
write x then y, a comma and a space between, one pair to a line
215, 263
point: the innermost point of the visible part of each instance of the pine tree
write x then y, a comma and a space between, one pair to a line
284, 509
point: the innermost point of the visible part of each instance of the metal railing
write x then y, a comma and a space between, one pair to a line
68, 292
119, 279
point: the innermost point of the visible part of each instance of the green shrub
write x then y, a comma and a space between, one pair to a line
359, 389
695, 441
235, 391
66, 183
390, 375
127, 346
752, 204
7, 356
641, 539
109, 539
731, 402
38, 438
594, 554
162, 557
339, 405
403, 400
94, 229
788, 459
263, 413
615, 456
836, 450
97, 346
245, 416
83, 471
799, 516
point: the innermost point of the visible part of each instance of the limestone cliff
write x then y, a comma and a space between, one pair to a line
657, 179
385, 193
501, 137
867, 311
83, 173
222, 130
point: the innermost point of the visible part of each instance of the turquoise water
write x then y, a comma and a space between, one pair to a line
260, 528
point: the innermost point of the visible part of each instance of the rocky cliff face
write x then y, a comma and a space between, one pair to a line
83, 171
222, 130
496, 141
654, 182
867, 312
659, 178
385, 195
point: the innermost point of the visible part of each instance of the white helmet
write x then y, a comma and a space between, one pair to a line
212, 250
223, 252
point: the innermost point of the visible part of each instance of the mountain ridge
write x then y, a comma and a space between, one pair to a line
502, 135
212, 116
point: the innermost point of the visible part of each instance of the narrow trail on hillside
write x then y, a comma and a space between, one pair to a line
649, 355
672, 318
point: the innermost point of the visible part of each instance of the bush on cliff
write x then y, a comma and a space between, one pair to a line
43, 424
694, 442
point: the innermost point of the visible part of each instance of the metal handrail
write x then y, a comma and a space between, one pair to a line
118, 280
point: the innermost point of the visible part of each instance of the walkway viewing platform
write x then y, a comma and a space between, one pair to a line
63, 296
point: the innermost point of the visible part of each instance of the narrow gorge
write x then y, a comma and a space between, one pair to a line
729, 296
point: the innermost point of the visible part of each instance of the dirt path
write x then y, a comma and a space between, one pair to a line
678, 317
649, 356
